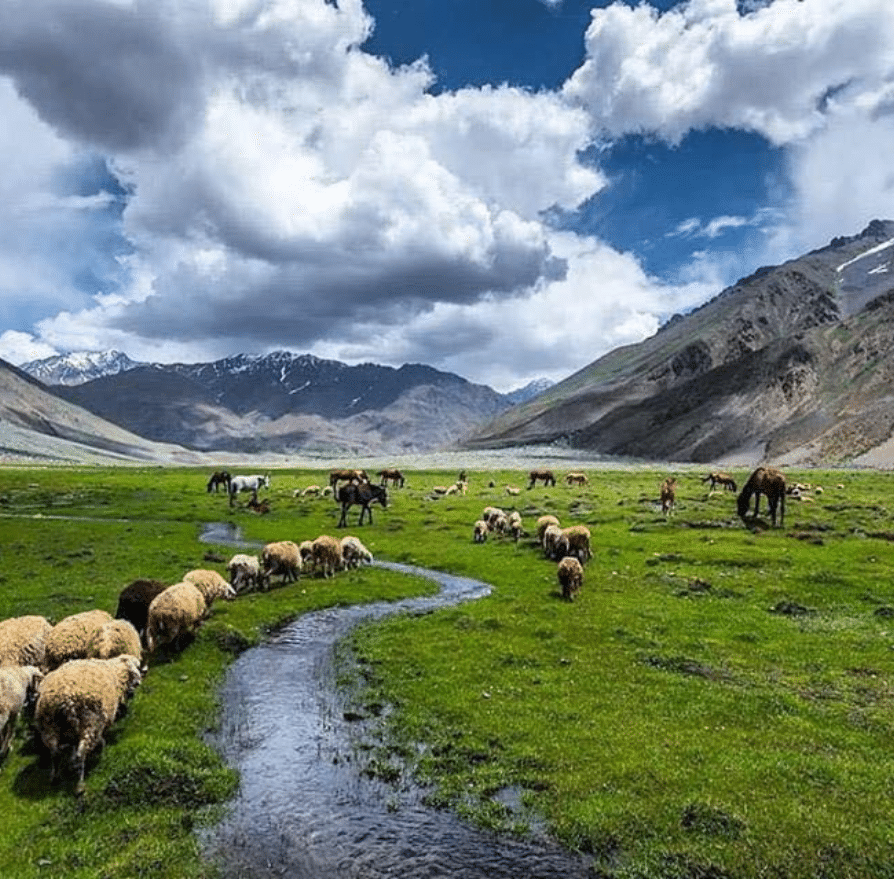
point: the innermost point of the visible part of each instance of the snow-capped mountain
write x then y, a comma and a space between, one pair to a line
78, 367
529, 391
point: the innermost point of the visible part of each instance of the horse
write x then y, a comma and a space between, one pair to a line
576, 479
364, 494
668, 495
723, 479
247, 483
768, 481
218, 478
545, 475
394, 476
336, 476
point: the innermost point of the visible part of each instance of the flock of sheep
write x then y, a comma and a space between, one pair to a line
78, 674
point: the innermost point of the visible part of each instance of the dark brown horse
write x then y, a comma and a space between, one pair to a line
354, 476
218, 478
362, 494
768, 481
391, 475
545, 476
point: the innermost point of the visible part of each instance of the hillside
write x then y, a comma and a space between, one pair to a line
792, 364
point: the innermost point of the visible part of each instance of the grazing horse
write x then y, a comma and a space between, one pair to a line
576, 479
768, 481
723, 479
247, 483
394, 476
545, 475
668, 495
218, 478
356, 476
364, 494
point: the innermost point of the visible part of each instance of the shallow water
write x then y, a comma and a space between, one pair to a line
303, 809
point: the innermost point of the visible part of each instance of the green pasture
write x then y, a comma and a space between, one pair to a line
715, 703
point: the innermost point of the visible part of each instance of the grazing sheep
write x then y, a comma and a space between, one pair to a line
576, 479
18, 685
310, 490
490, 515
327, 557
571, 576
134, 600
69, 638
577, 542
78, 702
768, 481
543, 523
328, 491
479, 531
546, 476
211, 584
668, 495
354, 553
306, 551
512, 490
23, 640
115, 638
281, 557
555, 543
514, 525
245, 572
174, 614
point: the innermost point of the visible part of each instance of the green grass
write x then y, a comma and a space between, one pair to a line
717, 702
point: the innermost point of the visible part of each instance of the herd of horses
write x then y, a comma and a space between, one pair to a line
352, 487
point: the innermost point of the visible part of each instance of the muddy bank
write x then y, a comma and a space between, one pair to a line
303, 809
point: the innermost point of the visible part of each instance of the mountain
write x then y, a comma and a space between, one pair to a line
35, 423
78, 367
529, 391
289, 402
791, 364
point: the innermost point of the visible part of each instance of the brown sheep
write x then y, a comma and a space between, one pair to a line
327, 556
577, 542
570, 573
543, 523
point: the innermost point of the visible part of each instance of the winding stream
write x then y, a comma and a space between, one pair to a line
303, 809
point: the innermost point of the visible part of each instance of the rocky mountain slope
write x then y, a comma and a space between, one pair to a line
790, 364
288, 403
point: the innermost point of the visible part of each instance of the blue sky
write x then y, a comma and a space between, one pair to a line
506, 189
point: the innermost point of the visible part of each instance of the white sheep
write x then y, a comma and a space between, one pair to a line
570, 573
514, 525
78, 702
18, 684
211, 584
490, 515
578, 542
281, 557
245, 572
69, 638
313, 490
23, 640
327, 555
555, 543
479, 531
175, 613
306, 551
543, 523
115, 638
354, 553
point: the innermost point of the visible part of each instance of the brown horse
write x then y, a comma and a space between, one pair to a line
393, 476
768, 481
355, 476
668, 494
546, 476
723, 479
218, 478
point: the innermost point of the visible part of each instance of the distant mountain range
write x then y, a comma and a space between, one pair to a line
792, 364
278, 402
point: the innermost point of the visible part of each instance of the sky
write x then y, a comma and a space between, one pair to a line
505, 189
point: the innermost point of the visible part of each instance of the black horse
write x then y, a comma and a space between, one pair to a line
364, 494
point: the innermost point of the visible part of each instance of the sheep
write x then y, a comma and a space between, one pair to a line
23, 640
281, 557
245, 572
68, 639
490, 515
78, 702
479, 531
211, 584
115, 638
512, 490
134, 600
18, 685
327, 555
543, 523
571, 576
306, 551
354, 553
555, 543
514, 525
175, 613
577, 540
310, 490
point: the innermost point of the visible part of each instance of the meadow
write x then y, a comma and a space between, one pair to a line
715, 703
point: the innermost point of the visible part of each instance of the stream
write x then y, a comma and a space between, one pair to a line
303, 808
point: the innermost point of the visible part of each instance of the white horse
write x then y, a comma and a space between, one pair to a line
248, 483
